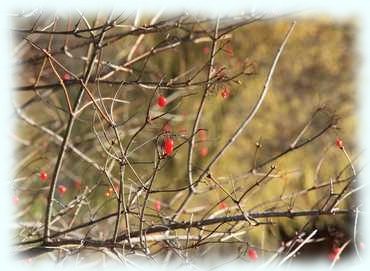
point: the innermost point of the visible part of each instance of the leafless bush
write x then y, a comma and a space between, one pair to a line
123, 181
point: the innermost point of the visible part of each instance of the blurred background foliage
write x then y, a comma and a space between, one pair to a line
316, 73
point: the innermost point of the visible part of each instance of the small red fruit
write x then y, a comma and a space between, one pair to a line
157, 205
334, 254
161, 101
202, 135
252, 254
62, 189
66, 77
43, 176
205, 50
107, 194
16, 200
168, 146
225, 93
203, 151
339, 143
222, 205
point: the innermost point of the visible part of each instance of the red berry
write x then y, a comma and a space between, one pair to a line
161, 101
336, 250
62, 189
202, 135
43, 176
339, 143
16, 200
334, 253
205, 50
168, 146
66, 76
223, 205
203, 151
157, 205
252, 254
225, 93
331, 256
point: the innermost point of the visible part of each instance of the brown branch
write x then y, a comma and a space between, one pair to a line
58, 165
49, 246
